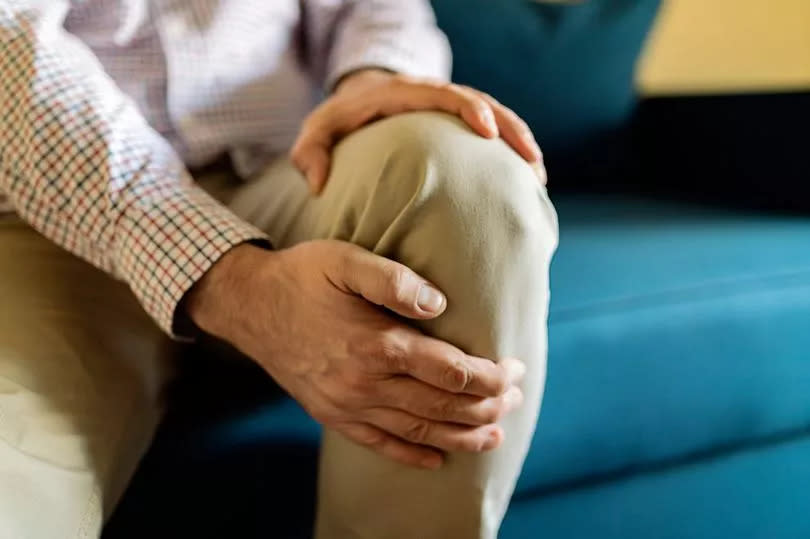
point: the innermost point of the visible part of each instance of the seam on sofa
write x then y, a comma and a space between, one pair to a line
698, 456
706, 291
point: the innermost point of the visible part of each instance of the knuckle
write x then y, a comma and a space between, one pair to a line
417, 431
472, 103
454, 91
457, 376
445, 408
361, 348
372, 438
344, 259
493, 414
396, 279
338, 397
499, 385
391, 349
491, 100
478, 103
355, 383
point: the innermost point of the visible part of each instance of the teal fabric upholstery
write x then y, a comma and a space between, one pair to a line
675, 330
567, 69
757, 492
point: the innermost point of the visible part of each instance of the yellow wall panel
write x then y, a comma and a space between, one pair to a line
704, 46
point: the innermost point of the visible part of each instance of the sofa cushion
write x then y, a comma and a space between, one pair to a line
567, 68
675, 330
757, 493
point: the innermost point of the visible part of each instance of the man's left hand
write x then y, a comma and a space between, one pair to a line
369, 95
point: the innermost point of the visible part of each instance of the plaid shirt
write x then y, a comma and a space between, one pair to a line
103, 103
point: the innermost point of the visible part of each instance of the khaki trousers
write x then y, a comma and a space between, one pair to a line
82, 368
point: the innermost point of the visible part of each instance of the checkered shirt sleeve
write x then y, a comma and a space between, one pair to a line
81, 165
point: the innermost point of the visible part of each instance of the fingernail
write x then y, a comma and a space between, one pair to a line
537, 154
433, 462
514, 398
430, 299
540, 171
492, 440
521, 370
515, 370
488, 119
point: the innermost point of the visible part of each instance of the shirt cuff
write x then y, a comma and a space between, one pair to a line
170, 242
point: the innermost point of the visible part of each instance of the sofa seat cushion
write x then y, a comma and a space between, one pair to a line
759, 492
675, 331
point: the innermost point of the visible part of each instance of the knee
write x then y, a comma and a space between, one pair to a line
433, 164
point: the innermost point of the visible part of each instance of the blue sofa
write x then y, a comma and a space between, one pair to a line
678, 399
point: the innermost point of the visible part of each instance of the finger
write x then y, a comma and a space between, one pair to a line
310, 154
515, 369
392, 447
514, 130
443, 436
419, 399
322, 129
388, 283
476, 111
427, 95
336, 118
540, 170
444, 366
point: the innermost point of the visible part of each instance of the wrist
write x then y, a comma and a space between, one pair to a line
217, 301
368, 76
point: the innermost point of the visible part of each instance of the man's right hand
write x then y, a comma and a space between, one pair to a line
311, 316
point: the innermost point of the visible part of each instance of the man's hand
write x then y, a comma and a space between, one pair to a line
368, 95
314, 316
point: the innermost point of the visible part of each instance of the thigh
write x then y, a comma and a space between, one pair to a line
81, 371
468, 214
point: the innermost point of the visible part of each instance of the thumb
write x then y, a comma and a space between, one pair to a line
391, 284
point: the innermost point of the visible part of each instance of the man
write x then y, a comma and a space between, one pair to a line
391, 274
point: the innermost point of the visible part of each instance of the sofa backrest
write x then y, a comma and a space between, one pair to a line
567, 68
